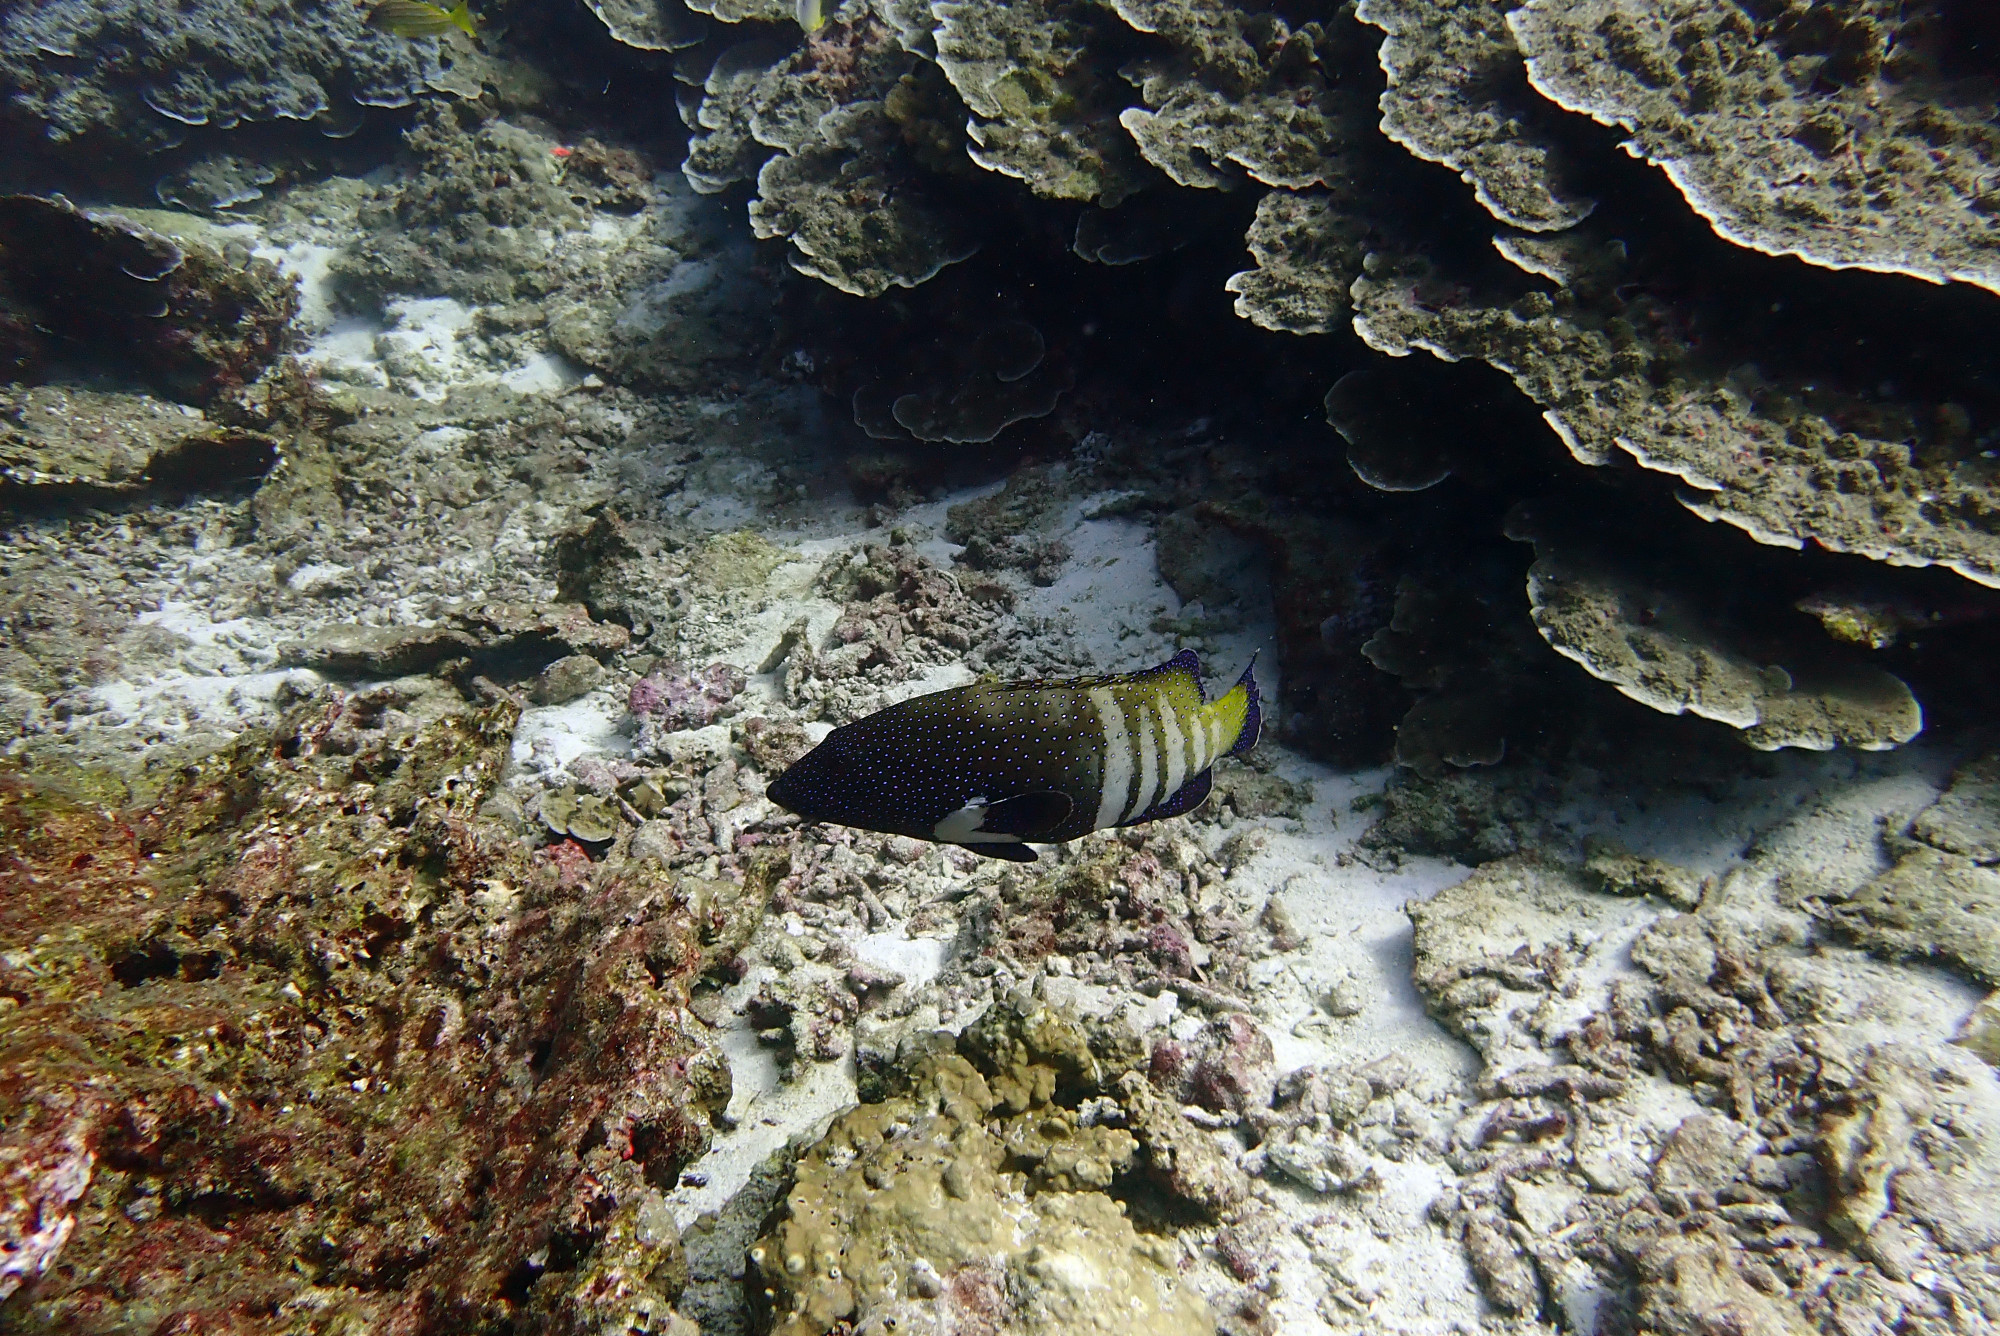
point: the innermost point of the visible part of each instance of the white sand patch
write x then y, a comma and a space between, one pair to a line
205, 674
549, 737
310, 263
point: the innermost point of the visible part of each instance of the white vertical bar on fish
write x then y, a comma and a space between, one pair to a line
1116, 782
1176, 749
1149, 765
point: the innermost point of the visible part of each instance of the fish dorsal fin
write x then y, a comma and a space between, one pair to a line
1188, 662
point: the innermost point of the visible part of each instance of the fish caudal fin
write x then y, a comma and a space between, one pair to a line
1241, 710
461, 14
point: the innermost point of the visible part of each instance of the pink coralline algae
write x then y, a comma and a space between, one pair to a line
45, 1164
1234, 1067
674, 698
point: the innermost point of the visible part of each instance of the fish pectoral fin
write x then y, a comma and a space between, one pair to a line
1012, 852
1027, 816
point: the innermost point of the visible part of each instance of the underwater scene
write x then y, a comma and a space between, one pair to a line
999, 667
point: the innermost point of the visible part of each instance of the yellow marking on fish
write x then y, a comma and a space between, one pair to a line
416, 18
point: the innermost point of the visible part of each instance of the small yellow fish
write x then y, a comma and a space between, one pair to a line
415, 18
812, 15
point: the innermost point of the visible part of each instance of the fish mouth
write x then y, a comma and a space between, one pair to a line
779, 794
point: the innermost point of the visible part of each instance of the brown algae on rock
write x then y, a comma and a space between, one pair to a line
306, 967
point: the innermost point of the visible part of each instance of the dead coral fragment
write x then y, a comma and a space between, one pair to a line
1041, 112
1828, 132
1456, 96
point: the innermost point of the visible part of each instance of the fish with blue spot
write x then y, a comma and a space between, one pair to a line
998, 766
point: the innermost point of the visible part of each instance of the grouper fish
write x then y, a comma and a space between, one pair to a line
997, 765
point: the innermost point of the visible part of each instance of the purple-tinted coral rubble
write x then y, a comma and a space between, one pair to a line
674, 698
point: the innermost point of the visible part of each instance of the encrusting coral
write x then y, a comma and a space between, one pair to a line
1456, 96
1848, 135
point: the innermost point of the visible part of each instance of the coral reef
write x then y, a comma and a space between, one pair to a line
1757, 418
844, 187
1842, 135
143, 73
388, 862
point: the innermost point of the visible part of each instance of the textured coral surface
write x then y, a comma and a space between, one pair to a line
303, 1033
1847, 134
